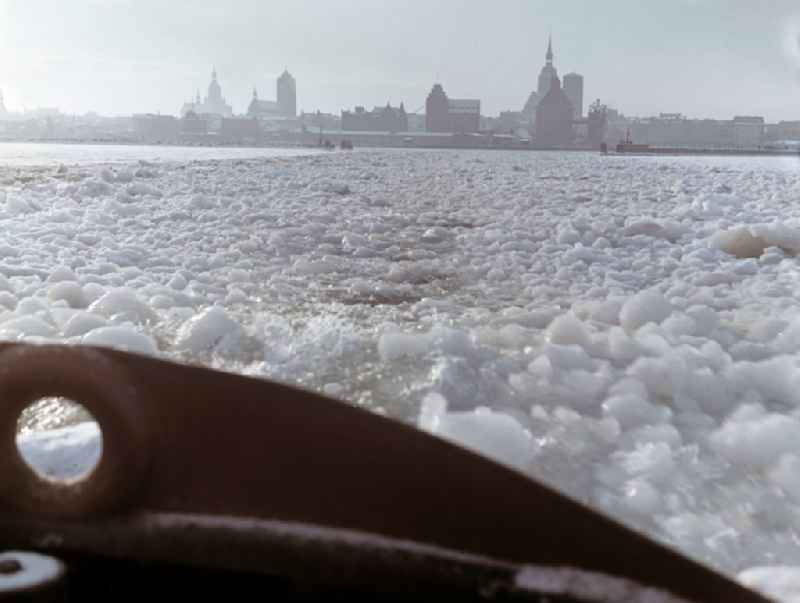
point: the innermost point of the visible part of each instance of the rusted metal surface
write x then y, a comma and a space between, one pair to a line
187, 440
324, 562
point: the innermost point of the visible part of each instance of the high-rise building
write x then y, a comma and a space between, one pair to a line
573, 88
287, 94
2, 104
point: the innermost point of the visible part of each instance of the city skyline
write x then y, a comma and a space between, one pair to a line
748, 64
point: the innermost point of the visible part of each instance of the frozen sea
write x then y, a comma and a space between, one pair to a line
40, 154
626, 329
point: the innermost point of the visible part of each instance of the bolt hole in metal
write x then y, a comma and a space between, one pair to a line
22, 572
59, 439
9, 566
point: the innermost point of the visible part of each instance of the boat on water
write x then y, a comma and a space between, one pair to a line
628, 147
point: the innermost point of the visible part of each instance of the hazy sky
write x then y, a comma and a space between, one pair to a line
704, 58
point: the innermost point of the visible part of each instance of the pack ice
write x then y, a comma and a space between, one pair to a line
625, 329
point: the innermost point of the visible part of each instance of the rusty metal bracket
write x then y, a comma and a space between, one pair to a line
238, 463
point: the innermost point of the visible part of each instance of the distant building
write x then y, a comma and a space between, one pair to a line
617, 125
529, 110
783, 131
273, 115
213, 104
240, 129
192, 106
380, 119
554, 116
263, 109
674, 129
573, 88
155, 128
597, 124
510, 121
465, 115
546, 75
443, 114
286, 93
316, 120
437, 110
192, 124
748, 131
416, 122
2, 104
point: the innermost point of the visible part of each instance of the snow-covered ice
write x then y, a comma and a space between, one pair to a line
65, 452
625, 329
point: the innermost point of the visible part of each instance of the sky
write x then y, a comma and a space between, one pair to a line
702, 58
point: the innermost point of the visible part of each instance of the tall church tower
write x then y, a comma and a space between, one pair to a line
214, 89
215, 103
548, 71
286, 94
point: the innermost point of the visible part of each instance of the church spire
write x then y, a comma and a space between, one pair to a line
214, 73
255, 93
549, 55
